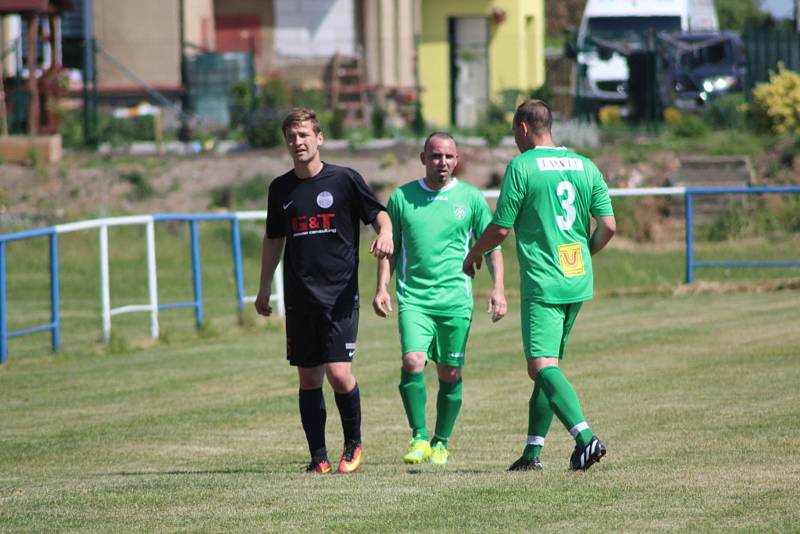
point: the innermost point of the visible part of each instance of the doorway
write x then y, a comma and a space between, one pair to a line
469, 70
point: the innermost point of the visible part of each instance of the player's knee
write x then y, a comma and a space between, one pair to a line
311, 381
341, 379
414, 362
532, 372
449, 374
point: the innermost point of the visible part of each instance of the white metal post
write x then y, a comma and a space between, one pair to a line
105, 296
152, 278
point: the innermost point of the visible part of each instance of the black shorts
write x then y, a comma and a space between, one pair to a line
316, 338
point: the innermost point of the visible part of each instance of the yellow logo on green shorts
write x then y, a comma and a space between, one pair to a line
571, 259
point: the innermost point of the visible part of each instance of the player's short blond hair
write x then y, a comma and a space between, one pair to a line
299, 115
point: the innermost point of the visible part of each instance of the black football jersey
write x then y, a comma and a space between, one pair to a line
320, 217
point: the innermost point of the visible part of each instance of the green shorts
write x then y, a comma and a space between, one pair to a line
443, 339
546, 327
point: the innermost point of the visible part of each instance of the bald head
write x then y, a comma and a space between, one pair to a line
440, 157
438, 136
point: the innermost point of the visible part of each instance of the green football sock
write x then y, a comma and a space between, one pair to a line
540, 415
448, 404
412, 391
565, 403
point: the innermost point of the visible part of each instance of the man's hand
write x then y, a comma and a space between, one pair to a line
383, 246
497, 305
472, 264
382, 304
262, 304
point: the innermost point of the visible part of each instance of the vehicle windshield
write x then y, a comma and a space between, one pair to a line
630, 31
719, 54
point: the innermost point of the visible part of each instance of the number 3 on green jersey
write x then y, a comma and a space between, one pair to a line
565, 221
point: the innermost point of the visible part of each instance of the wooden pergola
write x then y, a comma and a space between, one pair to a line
33, 11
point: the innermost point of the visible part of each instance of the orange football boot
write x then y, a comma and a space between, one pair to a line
351, 457
319, 467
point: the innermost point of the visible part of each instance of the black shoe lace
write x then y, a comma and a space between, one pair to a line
350, 450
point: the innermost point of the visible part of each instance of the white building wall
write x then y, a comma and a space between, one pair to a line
313, 29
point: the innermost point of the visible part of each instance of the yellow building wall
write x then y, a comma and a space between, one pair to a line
515, 50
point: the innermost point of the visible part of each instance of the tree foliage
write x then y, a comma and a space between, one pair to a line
737, 14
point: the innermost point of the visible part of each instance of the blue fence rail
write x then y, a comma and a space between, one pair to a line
54, 326
153, 306
691, 264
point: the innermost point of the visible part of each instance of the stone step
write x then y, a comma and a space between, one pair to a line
712, 171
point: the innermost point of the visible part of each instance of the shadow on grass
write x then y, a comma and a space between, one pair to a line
185, 472
438, 470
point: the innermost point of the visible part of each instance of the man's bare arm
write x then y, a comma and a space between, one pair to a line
497, 299
382, 304
383, 246
605, 230
271, 250
491, 237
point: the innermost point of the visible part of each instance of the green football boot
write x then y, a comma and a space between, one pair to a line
419, 450
438, 454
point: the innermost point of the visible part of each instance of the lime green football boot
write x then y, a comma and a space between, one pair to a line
419, 450
438, 454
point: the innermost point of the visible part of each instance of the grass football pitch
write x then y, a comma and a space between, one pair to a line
696, 395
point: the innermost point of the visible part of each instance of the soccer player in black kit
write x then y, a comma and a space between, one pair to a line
316, 210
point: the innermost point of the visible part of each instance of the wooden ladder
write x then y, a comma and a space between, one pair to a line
348, 90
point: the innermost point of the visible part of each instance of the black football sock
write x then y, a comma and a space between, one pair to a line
349, 405
313, 417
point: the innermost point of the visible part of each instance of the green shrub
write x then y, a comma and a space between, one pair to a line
120, 131
315, 99
242, 102
377, 119
71, 128
689, 126
263, 128
789, 216
495, 113
791, 151
728, 225
759, 217
142, 188
494, 126
543, 92
357, 137
418, 125
275, 93
727, 111
232, 197
336, 125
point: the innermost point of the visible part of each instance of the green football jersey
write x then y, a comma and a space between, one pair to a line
433, 231
548, 195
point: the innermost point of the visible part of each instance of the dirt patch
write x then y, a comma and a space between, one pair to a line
87, 185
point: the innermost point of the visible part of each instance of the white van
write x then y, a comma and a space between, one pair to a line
602, 71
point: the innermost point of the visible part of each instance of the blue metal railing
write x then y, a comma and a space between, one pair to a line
691, 263
54, 326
